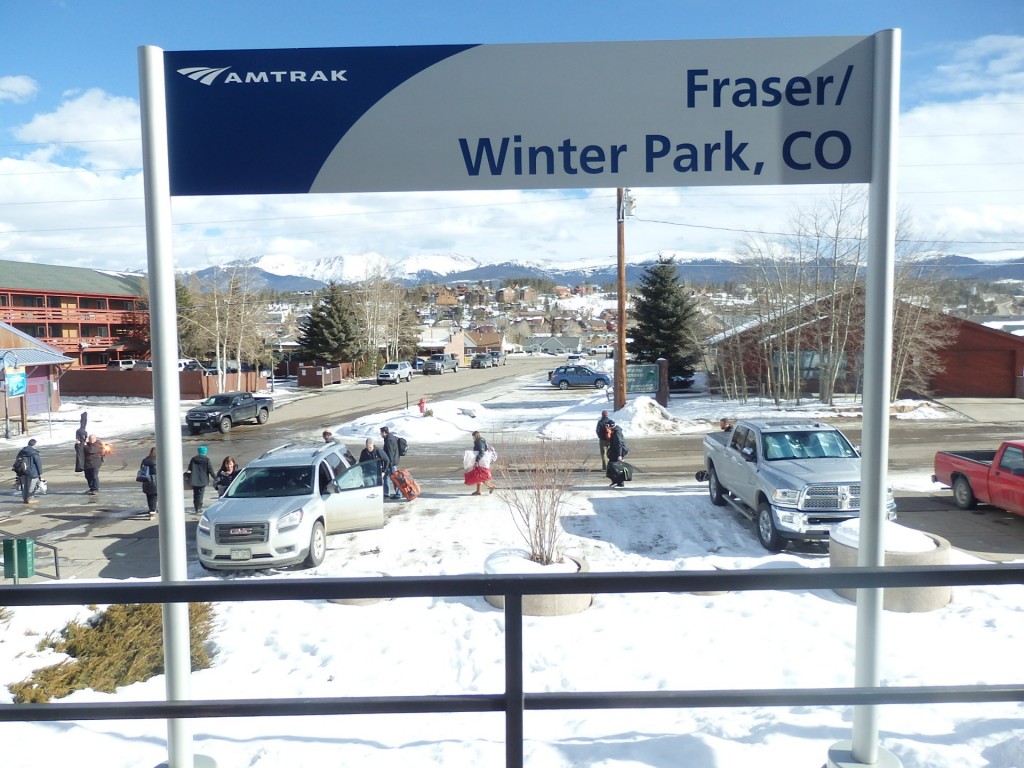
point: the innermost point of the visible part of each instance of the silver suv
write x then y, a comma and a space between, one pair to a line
281, 507
395, 372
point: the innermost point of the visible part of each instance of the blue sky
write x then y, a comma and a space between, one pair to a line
69, 127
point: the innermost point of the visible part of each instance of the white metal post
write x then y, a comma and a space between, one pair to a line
166, 394
865, 749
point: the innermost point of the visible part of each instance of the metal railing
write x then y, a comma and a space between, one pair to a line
515, 700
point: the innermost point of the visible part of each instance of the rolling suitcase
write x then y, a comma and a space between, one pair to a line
620, 471
405, 484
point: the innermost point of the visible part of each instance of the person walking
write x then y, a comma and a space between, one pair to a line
91, 463
372, 453
200, 473
390, 449
81, 437
226, 475
148, 469
32, 473
617, 451
480, 474
604, 437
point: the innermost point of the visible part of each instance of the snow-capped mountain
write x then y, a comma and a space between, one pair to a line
287, 274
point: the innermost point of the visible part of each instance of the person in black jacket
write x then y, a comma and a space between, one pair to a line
390, 449
226, 475
602, 437
616, 452
29, 479
149, 485
372, 453
200, 474
92, 462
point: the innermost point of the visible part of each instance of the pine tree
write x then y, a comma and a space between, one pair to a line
666, 322
329, 333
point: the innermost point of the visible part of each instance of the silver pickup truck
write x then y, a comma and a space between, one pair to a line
794, 479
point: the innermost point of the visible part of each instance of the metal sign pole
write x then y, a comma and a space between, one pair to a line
166, 395
865, 749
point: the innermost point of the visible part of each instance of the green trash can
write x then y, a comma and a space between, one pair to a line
26, 554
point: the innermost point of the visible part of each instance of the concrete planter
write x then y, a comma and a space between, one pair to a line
518, 561
360, 600
903, 547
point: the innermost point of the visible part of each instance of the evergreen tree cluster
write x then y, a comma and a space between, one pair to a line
330, 333
666, 321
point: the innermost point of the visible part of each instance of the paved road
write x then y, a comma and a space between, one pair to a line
110, 536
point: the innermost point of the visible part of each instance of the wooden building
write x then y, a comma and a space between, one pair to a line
88, 315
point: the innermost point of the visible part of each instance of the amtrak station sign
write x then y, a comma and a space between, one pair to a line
551, 116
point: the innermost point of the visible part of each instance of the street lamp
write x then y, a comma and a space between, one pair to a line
7, 416
625, 205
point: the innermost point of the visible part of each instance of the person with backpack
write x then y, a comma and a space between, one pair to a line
372, 453
393, 453
29, 469
604, 437
200, 473
147, 476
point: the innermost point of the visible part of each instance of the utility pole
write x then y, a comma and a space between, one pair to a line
624, 206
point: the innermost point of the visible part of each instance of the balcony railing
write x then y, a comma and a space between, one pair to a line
515, 700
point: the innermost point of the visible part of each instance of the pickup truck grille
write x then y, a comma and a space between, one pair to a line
241, 533
832, 497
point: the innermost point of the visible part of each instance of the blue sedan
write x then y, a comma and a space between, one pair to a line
578, 376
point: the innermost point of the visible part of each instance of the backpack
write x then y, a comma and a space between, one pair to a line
21, 465
403, 446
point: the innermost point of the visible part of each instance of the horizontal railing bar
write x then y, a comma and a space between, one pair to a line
82, 593
383, 705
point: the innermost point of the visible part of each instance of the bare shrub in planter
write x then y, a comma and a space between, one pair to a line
535, 482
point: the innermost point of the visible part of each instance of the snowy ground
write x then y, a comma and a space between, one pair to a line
626, 642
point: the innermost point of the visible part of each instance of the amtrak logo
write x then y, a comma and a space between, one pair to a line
209, 75
205, 75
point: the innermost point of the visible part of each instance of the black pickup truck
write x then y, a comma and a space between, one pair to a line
225, 410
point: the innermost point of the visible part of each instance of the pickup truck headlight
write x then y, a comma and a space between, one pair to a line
289, 520
204, 525
786, 497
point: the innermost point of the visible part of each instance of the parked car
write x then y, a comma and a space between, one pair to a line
281, 507
440, 363
121, 365
567, 376
602, 349
481, 360
574, 359
395, 372
418, 363
498, 357
794, 479
990, 477
143, 365
225, 410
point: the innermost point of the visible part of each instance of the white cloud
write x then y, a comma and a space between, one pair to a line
987, 65
101, 131
17, 88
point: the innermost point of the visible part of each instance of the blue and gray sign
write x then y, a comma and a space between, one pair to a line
538, 116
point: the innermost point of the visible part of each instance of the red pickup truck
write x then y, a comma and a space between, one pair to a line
990, 477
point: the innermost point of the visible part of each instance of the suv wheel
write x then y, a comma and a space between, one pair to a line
317, 546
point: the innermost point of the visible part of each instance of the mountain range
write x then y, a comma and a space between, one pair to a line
287, 275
